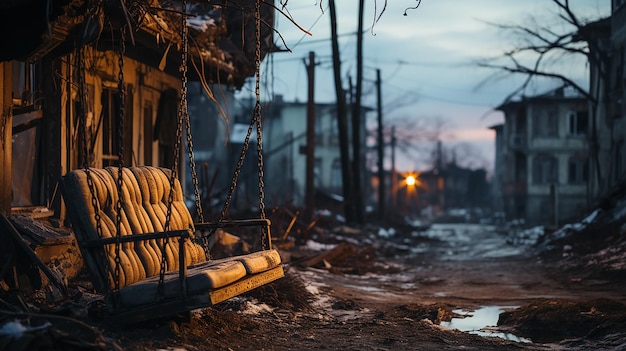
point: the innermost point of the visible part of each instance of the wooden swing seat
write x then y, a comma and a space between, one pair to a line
191, 281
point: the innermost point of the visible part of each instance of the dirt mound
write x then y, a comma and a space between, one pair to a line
556, 320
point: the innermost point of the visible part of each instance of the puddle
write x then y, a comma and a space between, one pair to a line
480, 321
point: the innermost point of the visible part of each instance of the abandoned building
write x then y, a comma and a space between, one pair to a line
94, 109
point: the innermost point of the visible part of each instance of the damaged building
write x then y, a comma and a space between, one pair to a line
64, 66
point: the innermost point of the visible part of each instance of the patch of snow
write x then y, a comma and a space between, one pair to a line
527, 236
15, 329
200, 23
315, 246
386, 233
254, 309
591, 217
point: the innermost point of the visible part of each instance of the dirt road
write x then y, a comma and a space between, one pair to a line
408, 292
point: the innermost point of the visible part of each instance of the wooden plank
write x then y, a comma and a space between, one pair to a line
9, 229
6, 123
246, 284
335, 254
178, 305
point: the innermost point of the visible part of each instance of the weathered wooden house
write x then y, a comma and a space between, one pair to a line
87, 84
64, 59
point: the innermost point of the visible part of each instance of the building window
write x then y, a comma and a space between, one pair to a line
545, 169
578, 170
546, 122
110, 128
335, 175
578, 122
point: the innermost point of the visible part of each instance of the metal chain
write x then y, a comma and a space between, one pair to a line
257, 118
120, 155
179, 132
233, 183
192, 161
82, 132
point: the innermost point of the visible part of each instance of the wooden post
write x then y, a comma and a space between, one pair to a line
310, 137
394, 173
357, 169
342, 120
6, 135
381, 149
52, 158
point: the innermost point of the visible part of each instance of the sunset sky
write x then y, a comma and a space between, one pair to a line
427, 60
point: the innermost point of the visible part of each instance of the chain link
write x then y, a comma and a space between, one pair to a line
82, 132
120, 155
257, 118
179, 132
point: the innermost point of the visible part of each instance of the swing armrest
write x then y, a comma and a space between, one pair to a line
183, 234
237, 223
234, 223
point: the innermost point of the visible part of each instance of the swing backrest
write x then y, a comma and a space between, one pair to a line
144, 198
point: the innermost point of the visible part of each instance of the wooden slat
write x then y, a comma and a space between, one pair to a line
246, 284
179, 305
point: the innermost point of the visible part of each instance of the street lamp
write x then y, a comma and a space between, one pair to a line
410, 180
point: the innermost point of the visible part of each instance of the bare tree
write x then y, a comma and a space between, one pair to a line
416, 138
542, 45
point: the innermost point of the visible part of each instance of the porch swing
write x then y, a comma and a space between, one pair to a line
137, 237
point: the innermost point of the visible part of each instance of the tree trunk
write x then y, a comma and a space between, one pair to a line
356, 122
342, 121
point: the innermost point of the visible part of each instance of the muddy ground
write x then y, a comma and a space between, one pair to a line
396, 291
401, 289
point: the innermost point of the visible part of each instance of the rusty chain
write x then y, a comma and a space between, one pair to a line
120, 167
179, 132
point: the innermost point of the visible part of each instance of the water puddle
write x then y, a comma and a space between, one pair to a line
480, 322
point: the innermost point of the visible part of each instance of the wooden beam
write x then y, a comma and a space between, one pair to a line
52, 129
6, 136
246, 284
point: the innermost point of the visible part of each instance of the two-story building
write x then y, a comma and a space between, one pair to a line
543, 170
284, 144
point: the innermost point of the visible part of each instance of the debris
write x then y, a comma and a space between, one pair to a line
336, 254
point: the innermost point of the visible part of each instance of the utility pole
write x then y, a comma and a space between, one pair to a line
381, 148
310, 136
342, 120
356, 122
394, 174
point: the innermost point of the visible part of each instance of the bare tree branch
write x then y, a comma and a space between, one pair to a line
542, 47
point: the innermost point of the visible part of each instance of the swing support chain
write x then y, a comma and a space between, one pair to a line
255, 120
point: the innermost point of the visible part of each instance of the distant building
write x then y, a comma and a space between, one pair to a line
543, 173
448, 187
284, 149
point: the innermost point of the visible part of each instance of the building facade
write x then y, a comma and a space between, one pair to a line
544, 172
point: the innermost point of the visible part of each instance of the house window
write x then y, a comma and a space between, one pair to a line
335, 175
578, 122
546, 122
578, 170
110, 128
545, 169
317, 172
